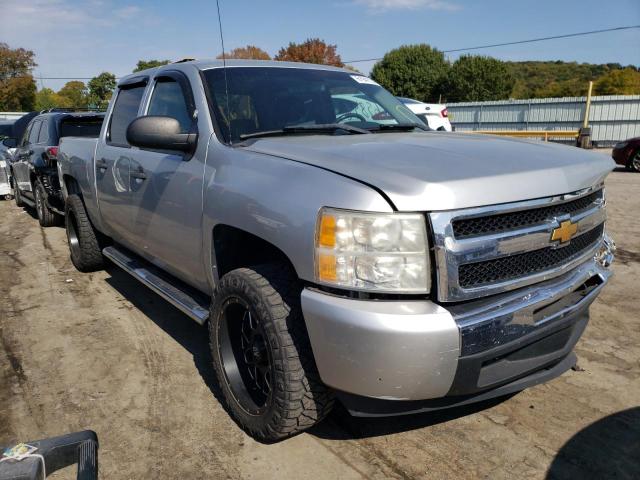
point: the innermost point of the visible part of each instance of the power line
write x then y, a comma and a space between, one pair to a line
68, 78
541, 39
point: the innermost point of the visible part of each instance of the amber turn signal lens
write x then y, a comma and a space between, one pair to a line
327, 268
327, 232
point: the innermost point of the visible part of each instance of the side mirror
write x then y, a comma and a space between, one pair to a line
10, 142
160, 133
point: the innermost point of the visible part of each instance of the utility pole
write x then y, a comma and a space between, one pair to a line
584, 134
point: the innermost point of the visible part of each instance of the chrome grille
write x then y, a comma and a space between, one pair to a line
469, 227
488, 250
517, 266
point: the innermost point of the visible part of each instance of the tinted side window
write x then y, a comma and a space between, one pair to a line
25, 136
33, 134
125, 111
44, 133
168, 100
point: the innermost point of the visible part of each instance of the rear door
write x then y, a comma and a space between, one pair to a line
112, 162
166, 187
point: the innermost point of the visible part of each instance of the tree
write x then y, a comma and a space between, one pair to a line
535, 79
313, 50
619, 82
76, 93
100, 89
414, 71
47, 98
144, 64
475, 78
18, 94
17, 87
15, 63
250, 52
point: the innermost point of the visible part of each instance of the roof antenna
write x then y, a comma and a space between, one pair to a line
224, 68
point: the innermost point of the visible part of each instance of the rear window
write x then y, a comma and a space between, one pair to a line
81, 127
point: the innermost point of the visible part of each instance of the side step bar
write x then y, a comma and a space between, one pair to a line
192, 304
27, 200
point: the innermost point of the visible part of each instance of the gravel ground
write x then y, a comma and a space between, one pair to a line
100, 351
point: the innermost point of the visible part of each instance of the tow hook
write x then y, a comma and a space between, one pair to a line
606, 253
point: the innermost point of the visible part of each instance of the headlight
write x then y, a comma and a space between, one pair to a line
379, 252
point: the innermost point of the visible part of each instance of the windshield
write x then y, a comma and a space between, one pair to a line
263, 99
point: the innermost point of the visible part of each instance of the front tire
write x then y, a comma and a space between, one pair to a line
16, 194
86, 254
46, 217
262, 356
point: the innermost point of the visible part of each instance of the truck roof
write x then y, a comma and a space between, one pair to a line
207, 64
71, 114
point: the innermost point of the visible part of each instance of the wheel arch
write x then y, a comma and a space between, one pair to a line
70, 185
233, 248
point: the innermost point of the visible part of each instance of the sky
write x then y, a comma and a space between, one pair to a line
82, 38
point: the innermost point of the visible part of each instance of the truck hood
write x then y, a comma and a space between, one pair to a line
428, 171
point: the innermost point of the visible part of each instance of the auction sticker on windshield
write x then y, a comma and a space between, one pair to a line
363, 79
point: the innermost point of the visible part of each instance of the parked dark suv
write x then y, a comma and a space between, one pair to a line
35, 176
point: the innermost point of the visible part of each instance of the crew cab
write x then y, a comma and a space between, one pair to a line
333, 257
34, 172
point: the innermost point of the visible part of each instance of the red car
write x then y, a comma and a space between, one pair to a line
627, 153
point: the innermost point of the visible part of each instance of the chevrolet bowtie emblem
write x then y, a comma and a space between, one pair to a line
564, 232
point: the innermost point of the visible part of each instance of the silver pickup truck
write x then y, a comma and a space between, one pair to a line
334, 248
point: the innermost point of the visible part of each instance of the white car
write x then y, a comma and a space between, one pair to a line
435, 115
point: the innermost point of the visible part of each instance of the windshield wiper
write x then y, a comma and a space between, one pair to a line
402, 127
314, 128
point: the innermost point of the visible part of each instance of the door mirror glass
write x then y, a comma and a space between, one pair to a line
160, 133
10, 142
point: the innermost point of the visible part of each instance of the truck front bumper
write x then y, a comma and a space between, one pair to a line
394, 357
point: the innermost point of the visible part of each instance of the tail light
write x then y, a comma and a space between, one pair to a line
444, 113
50, 155
52, 152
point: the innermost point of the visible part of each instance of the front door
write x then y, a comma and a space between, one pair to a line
28, 148
112, 164
166, 188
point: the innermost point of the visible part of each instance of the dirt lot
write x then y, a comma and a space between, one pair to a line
100, 351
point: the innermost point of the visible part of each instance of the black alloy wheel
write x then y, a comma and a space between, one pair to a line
246, 358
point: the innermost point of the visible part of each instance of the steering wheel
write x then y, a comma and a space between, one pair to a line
344, 116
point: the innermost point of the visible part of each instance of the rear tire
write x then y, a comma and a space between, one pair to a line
262, 355
634, 162
46, 217
86, 254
